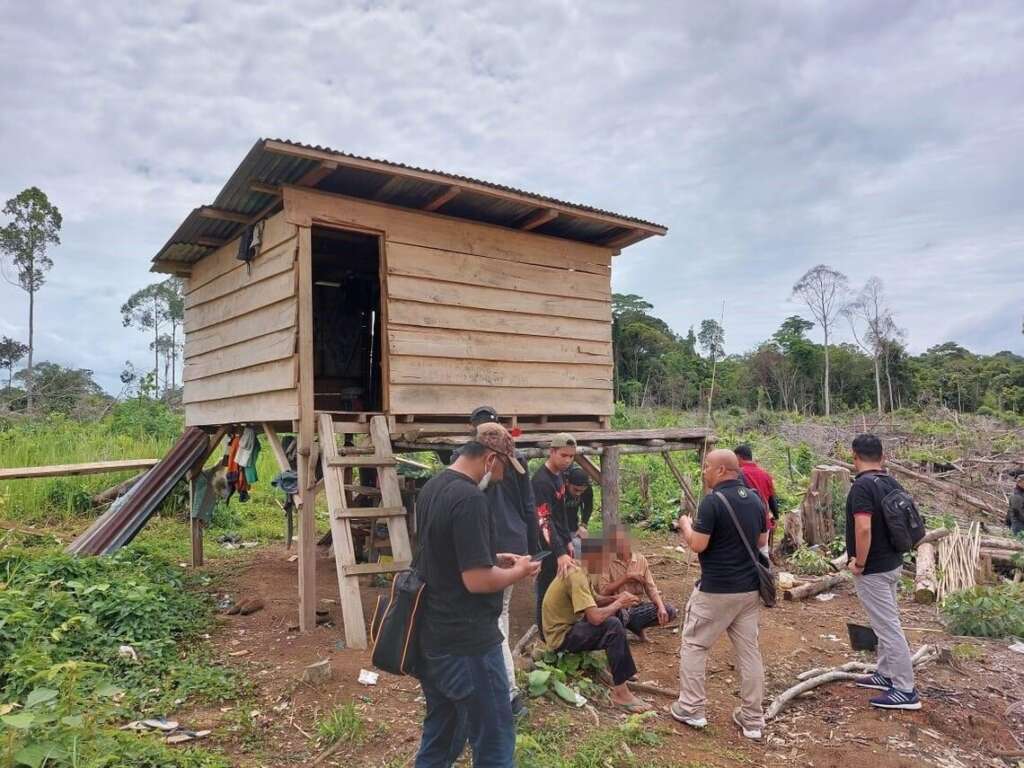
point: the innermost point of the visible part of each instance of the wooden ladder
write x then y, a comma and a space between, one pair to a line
335, 462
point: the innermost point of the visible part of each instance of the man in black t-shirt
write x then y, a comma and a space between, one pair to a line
726, 599
555, 536
877, 567
462, 672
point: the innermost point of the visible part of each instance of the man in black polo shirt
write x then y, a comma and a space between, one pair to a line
463, 675
726, 599
877, 567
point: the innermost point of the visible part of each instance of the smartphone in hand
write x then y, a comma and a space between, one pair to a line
540, 556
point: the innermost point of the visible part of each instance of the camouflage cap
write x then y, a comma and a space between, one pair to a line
563, 440
497, 438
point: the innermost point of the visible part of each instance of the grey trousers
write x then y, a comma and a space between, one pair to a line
877, 593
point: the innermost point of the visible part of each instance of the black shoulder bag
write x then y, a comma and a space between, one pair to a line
765, 577
902, 519
394, 628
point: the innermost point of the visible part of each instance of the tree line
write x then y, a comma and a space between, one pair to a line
789, 371
33, 225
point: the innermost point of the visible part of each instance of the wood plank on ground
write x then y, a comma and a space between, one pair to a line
89, 468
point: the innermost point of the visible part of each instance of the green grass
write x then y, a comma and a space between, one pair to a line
342, 723
557, 743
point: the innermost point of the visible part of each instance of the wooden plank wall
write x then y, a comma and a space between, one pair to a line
240, 332
483, 314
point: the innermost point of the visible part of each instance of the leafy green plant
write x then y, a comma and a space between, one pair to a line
555, 671
343, 723
996, 611
809, 562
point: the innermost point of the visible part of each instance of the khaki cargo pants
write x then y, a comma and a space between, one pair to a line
707, 617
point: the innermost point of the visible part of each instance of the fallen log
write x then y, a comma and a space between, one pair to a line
934, 535
114, 491
1008, 558
925, 583
1001, 542
923, 655
817, 586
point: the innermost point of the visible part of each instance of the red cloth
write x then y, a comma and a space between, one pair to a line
758, 478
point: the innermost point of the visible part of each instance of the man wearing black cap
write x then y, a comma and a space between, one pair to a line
515, 531
579, 504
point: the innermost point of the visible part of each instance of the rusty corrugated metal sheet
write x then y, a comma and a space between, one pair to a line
129, 514
274, 169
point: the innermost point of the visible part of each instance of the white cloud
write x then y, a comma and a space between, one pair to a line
883, 138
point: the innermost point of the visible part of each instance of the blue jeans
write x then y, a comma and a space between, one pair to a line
467, 700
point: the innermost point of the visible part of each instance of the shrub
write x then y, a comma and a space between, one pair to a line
809, 562
343, 723
986, 611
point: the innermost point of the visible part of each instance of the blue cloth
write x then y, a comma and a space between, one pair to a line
467, 700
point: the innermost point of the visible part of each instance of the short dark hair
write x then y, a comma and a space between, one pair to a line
743, 452
473, 449
592, 545
577, 477
867, 446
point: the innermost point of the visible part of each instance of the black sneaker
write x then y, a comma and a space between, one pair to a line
897, 699
519, 709
878, 682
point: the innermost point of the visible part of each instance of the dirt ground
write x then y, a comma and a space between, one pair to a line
973, 713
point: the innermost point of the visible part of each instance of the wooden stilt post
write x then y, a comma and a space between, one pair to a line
307, 509
610, 486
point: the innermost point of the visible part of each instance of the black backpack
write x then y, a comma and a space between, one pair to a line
902, 518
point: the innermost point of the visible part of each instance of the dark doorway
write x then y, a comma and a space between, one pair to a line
346, 321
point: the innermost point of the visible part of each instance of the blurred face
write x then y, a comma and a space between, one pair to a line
623, 546
561, 458
596, 562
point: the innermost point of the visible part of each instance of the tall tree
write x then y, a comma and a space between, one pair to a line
34, 225
148, 309
176, 315
823, 289
11, 353
870, 308
711, 338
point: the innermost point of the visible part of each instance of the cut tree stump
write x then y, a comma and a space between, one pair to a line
816, 510
925, 584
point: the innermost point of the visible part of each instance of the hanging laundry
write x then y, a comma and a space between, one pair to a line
250, 469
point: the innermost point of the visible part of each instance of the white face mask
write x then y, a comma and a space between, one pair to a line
484, 481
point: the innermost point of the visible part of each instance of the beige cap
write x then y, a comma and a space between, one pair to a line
497, 438
563, 440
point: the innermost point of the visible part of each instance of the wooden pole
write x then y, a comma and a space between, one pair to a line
683, 481
610, 486
307, 514
196, 525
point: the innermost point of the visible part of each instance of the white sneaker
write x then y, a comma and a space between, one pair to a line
751, 733
699, 723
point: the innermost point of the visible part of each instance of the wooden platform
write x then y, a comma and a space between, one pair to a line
590, 442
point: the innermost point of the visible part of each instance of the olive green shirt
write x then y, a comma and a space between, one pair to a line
564, 604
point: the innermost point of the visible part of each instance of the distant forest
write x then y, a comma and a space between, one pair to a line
654, 365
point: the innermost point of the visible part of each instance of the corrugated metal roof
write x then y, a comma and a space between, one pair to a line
276, 162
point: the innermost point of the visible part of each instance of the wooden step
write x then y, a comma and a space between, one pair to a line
362, 461
373, 512
368, 568
363, 490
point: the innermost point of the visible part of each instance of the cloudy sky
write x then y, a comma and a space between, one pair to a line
881, 137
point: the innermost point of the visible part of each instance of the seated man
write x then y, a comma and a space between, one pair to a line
576, 620
628, 571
